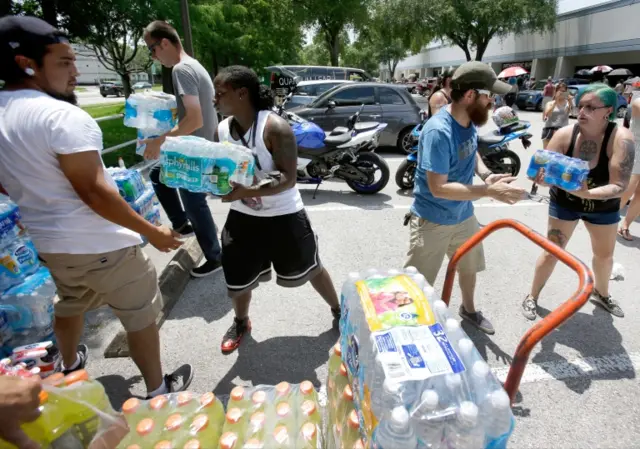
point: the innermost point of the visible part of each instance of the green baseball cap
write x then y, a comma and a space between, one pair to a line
478, 75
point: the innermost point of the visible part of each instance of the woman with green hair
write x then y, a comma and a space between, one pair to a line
610, 151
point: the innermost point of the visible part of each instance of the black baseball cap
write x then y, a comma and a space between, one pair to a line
26, 35
478, 75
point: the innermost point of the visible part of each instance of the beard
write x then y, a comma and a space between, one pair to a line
69, 98
478, 113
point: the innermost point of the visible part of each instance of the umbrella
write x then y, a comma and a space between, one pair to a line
583, 72
601, 68
512, 71
632, 80
621, 72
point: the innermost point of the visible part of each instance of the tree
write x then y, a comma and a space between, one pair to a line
331, 18
472, 24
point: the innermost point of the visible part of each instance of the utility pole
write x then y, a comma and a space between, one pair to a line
186, 26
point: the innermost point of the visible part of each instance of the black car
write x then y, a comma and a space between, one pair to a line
112, 88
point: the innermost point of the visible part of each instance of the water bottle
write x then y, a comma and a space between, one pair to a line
393, 394
465, 432
429, 428
395, 432
10, 226
441, 311
539, 160
453, 330
6, 334
466, 352
479, 379
498, 419
18, 259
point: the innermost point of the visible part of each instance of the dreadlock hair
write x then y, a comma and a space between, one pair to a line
238, 76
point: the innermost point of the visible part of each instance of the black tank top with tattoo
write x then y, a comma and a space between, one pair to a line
598, 177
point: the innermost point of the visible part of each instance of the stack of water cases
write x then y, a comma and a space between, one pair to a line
566, 172
26, 288
408, 373
198, 165
174, 421
137, 193
152, 113
265, 417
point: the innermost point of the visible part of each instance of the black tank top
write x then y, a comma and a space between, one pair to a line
429, 103
598, 176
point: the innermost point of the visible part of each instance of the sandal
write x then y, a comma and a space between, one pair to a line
624, 233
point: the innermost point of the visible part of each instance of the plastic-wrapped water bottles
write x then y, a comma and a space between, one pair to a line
130, 183
562, 171
198, 165
539, 160
574, 174
10, 225
18, 259
29, 309
466, 431
395, 432
152, 111
143, 205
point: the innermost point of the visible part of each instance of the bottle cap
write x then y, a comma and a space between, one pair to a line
207, 399
465, 346
283, 388
280, 434
430, 399
410, 270
353, 421
80, 375
234, 415
159, 402
306, 388
199, 423
145, 427
440, 306
130, 406
308, 431
343, 370
400, 417
337, 349
308, 408
184, 398
253, 443
192, 444
283, 409
257, 420
453, 381
164, 444
452, 325
228, 440
56, 379
500, 400
259, 397
354, 276
237, 394
347, 394
174, 422
468, 412
480, 369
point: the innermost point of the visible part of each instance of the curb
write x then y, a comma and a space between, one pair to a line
173, 280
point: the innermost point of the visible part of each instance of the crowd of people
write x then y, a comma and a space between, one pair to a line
89, 237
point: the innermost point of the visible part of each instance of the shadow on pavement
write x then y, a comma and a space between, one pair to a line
94, 322
292, 359
118, 388
346, 197
484, 344
207, 300
407, 193
593, 335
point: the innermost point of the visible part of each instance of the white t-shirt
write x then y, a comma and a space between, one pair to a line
34, 129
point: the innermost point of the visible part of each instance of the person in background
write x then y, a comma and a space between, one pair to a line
85, 233
196, 117
610, 151
619, 87
441, 95
548, 92
530, 83
556, 114
510, 97
267, 224
634, 185
441, 217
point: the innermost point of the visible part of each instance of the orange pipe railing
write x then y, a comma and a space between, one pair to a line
551, 321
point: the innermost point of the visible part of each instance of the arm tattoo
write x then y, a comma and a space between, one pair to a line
587, 150
557, 237
626, 166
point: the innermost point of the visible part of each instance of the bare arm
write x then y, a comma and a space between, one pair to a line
560, 141
85, 172
437, 102
547, 110
481, 169
192, 120
441, 188
620, 167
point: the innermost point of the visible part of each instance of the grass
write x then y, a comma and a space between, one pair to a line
114, 133
157, 88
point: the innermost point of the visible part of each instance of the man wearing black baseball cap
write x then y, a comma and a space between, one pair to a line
85, 233
441, 217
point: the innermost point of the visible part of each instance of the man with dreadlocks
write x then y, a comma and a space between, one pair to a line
267, 224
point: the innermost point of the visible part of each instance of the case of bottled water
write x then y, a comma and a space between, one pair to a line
18, 259
562, 171
417, 380
10, 225
130, 183
143, 205
198, 165
151, 111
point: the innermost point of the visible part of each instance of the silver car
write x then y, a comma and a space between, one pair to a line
386, 103
307, 91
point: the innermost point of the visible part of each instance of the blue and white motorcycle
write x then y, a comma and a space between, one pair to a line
493, 147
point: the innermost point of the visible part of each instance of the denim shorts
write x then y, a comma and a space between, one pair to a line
597, 218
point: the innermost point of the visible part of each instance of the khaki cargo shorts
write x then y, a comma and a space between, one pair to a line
124, 279
429, 242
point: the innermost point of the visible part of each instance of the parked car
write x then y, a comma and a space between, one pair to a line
307, 91
111, 88
621, 108
386, 103
532, 98
141, 85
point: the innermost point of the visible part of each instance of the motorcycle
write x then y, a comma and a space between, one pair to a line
347, 152
493, 148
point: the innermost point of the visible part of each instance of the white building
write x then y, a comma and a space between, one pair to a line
587, 33
92, 71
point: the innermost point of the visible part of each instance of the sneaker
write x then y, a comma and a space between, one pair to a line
234, 334
477, 320
207, 268
607, 304
530, 308
186, 230
83, 355
179, 380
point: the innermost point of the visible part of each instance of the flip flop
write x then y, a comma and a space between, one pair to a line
624, 233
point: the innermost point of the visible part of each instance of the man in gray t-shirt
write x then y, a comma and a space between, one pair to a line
194, 93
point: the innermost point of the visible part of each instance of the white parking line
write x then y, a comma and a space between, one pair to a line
578, 367
344, 208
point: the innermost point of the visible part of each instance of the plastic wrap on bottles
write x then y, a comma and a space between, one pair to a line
143, 205
176, 420
151, 111
44, 356
18, 259
10, 225
75, 414
154, 216
130, 183
284, 416
562, 171
198, 165
415, 378
29, 309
